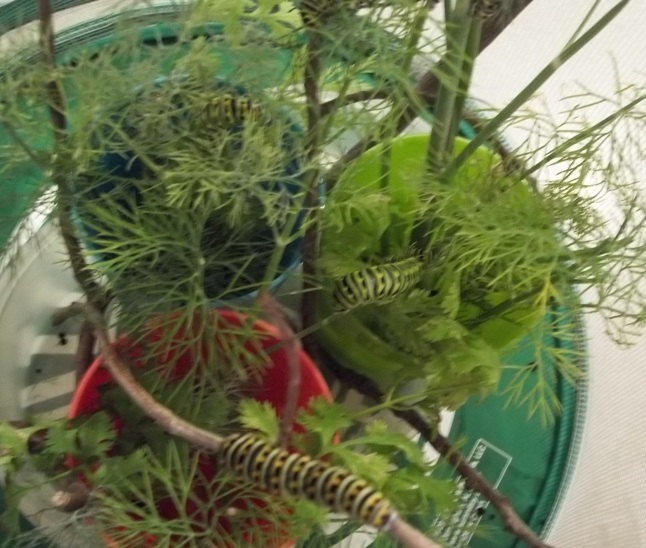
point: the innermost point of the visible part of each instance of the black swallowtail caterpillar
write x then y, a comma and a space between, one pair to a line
277, 471
487, 8
231, 109
376, 284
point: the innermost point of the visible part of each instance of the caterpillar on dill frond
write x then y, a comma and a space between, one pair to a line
376, 284
231, 109
281, 472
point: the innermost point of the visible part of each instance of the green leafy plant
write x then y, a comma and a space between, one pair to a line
257, 132
497, 253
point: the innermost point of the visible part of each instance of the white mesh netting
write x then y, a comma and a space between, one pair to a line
605, 503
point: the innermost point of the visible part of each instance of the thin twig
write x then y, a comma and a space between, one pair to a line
176, 426
163, 416
292, 346
72, 310
85, 349
472, 477
495, 25
409, 536
83, 276
312, 149
96, 295
84, 355
54, 92
72, 497
59, 125
424, 92
357, 97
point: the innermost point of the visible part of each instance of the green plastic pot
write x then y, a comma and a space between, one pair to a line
344, 336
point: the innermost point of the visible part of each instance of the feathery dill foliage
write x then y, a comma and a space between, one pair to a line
196, 206
178, 210
183, 198
494, 249
197, 222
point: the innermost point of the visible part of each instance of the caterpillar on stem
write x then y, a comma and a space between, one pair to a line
275, 470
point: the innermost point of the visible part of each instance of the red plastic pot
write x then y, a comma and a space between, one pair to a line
271, 388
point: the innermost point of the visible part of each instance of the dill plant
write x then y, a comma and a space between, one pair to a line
172, 211
178, 213
499, 253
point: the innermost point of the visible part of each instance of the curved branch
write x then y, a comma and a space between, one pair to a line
176, 426
292, 346
476, 481
330, 106
163, 416
56, 97
409, 536
74, 496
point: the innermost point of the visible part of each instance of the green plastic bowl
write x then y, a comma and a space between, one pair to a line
407, 166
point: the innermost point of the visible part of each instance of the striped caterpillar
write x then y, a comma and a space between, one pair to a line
376, 284
231, 109
277, 471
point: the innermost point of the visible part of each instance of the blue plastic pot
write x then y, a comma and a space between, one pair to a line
124, 170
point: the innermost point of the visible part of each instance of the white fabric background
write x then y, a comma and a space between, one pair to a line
605, 504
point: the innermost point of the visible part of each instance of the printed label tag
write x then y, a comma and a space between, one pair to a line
492, 463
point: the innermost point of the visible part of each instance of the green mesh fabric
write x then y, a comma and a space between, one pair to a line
527, 460
20, 12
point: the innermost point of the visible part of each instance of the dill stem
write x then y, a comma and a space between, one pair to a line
424, 92
457, 30
521, 98
281, 243
471, 50
388, 128
312, 150
503, 307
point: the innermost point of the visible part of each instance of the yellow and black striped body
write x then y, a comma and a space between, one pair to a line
230, 109
376, 284
278, 471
